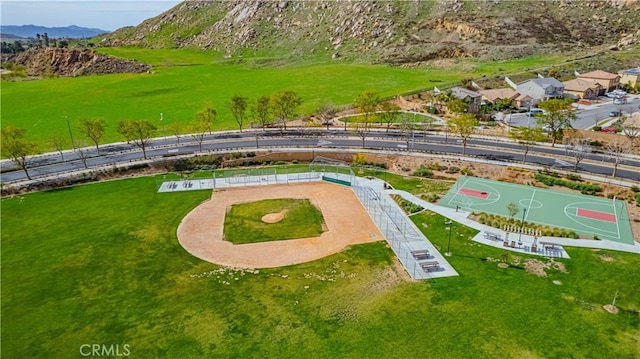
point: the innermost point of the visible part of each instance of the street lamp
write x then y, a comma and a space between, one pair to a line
450, 224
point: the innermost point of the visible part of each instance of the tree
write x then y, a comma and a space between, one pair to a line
17, 148
284, 105
93, 129
616, 150
360, 130
124, 129
59, 143
207, 116
238, 107
527, 137
367, 103
513, 209
463, 126
631, 130
558, 116
141, 132
176, 130
406, 127
579, 148
457, 106
82, 151
261, 110
390, 112
198, 130
326, 112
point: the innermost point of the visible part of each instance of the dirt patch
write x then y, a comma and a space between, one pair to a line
605, 258
274, 217
201, 231
537, 267
610, 308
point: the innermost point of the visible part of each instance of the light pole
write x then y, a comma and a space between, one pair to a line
450, 224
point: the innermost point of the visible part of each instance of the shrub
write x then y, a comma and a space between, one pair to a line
635, 189
452, 169
423, 171
573, 177
638, 198
466, 171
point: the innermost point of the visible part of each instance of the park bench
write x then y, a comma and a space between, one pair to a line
549, 245
420, 254
429, 265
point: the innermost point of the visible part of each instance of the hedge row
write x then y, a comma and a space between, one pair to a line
584, 188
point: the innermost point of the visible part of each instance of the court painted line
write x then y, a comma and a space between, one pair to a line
615, 216
453, 199
529, 207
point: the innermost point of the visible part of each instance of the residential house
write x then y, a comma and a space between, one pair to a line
541, 89
630, 77
582, 89
496, 95
607, 80
471, 98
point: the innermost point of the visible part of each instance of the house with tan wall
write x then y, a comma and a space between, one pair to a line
607, 80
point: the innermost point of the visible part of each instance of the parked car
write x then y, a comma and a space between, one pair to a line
616, 93
619, 101
608, 129
535, 111
615, 114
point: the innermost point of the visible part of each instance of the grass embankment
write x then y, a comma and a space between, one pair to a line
182, 84
300, 219
101, 264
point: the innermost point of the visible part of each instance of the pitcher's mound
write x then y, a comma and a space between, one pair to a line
274, 217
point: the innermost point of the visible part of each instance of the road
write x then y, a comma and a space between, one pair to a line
587, 115
491, 149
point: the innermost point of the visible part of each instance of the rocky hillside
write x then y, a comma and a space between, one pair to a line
73, 62
389, 31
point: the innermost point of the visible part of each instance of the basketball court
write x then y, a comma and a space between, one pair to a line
586, 215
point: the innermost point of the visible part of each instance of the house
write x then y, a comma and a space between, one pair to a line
582, 89
496, 95
523, 101
541, 89
607, 80
630, 77
471, 98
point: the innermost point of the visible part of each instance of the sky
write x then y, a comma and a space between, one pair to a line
106, 15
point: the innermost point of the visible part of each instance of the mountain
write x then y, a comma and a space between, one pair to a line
388, 31
53, 32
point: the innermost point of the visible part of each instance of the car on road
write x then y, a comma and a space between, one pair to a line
616, 93
609, 130
615, 114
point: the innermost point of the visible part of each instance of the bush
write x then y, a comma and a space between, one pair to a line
638, 198
573, 177
452, 169
597, 128
423, 171
466, 171
635, 189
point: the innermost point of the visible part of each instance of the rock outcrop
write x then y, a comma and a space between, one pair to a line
386, 30
73, 62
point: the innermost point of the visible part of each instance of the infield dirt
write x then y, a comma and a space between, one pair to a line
348, 223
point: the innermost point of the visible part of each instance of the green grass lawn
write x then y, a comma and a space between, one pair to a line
243, 222
100, 263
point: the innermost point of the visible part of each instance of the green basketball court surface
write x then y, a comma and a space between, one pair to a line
588, 216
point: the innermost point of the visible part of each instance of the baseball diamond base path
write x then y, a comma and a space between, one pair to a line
347, 222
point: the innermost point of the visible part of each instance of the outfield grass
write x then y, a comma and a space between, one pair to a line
243, 222
101, 264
